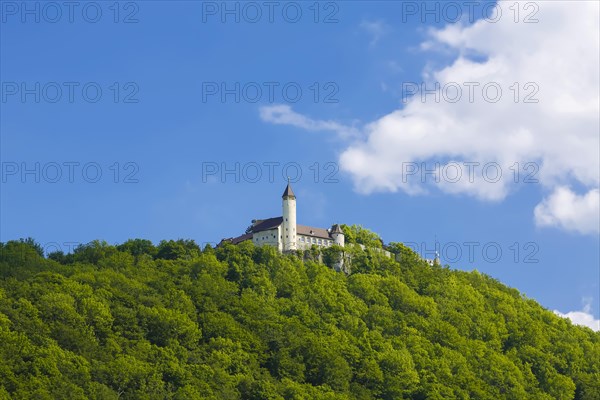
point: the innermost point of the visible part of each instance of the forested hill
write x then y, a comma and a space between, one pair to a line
136, 321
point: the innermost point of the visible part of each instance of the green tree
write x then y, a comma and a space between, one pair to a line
137, 247
93, 251
358, 234
180, 248
240, 321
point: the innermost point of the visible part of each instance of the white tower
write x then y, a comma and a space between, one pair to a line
288, 231
338, 235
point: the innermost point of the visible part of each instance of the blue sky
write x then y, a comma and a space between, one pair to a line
188, 91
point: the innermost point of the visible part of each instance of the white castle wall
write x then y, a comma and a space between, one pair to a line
289, 224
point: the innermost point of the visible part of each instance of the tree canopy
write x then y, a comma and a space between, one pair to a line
173, 321
358, 234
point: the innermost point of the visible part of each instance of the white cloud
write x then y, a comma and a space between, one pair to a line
376, 29
553, 61
284, 115
567, 210
583, 317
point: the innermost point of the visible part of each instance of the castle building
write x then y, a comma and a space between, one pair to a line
285, 234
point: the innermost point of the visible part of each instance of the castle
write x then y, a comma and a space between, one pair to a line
285, 234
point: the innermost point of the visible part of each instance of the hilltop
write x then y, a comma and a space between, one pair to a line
173, 321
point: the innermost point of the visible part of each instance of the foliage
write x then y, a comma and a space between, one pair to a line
174, 249
332, 255
358, 234
243, 322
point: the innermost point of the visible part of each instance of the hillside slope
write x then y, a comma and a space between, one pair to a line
175, 322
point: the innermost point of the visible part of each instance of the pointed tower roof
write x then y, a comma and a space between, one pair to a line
336, 229
288, 191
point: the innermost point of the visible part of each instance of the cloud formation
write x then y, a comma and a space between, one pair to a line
583, 317
520, 96
376, 29
281, 114
569, 211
